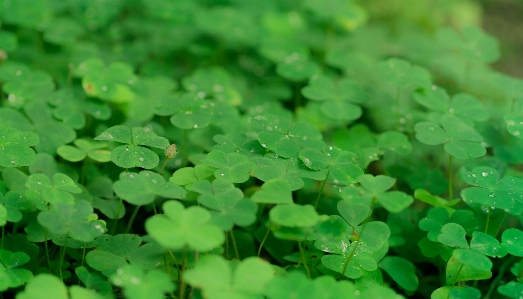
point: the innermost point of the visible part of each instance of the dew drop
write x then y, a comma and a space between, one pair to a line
195, 126
131, 176
117, 281
154, 181
104, 88
484, 174
39, 183
222, 174
516, 133
13, 162
141, 159
126, 149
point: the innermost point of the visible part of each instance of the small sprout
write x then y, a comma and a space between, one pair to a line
171, 151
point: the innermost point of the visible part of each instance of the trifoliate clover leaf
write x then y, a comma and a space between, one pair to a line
438, 217
512, 289
274, 191
220, 21
84, 148
51, 133
11, 275
73, 220
512, 241
179, 228
473, 265
70, 108
343, 169
487, 245
338, 97
359, 140
287, 141
456, 292
27, 86
217, 278
354, 212
107, 83
58, 191
13, 202
134, 154
294, 215
514, 123
45, 285
471, 42
463, 105
396, 142
401, 270
15, 148
491, 192
296, 67
234, 167
228, 207
238, 142
141, 188
93, 280
189, 175
461, 140
362, 260
401, 73
392, 201
313, 158
193, 111
453, 235
139, 285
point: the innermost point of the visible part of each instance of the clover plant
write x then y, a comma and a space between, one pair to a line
257, 149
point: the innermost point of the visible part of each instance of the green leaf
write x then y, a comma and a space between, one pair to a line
62, 31
112, 252
188, 175
234, 167
287, 141
294, 215
56, 192
396, 142
487, 245
453, 235
128, 156
401, 270
13, 202
471, 42
313, 158
84, 148
15, 147
395, 201
512, 241
141, 188
376, 184
14, 276
118, 133
93, 281
296, 67
514, 123
193, 111
139, 285
180, 227
353, 212
44, 286
401, 73
457, 271
512, 289
343, 167
274, 191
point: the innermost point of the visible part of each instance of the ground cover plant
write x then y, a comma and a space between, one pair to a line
257, 149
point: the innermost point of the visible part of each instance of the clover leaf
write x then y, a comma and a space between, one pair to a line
487, 245
512, 241
46, 285
93, 280
396, 142
274, 191
296, 67
286, 141
492, 191
10, 274
453, 235
179, 228
228, 207
84, 148
234, 167
14, 202
338, 97
58, 191
62, 31
461, 140
72, 220
392, 201
401, 270
471, 42
217, 278
512, 289
438, 217
294, 215
354, 212
70, 108
313, 158
139, 285
238, 142
25, 85
514, 123
474, 266
193, 111
15, 147
343, 169
359, 140
107, 83
134, 154
401, 73
141, 188
189, 175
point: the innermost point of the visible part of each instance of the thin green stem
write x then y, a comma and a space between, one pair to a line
488, 220
304, 260
182, 282
184, 149
457, 275
263, 241
227, 246
62, 257
47, 253
500, 224
83, 254
164, 164
3, 236
234, 245
397, 100
154, 208
321, 190
451, 193
498, 278
131, 220
117, 216
297, 96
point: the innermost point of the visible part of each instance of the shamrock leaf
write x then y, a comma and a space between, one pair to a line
296, 67
15, 148
238, 142
342, 166
141, 188
491, 191
359, 140
401, 73
401, 270
487, 245
58, 191
512, 289
139, 285
113, 252
13, 202
218, 279
133, 154
392, 201
49, 286
396, 142
234, 167
10, 275
294, 215
180, 227
84, 148
25, 85
286, 141
62, 31
107, 83
72, 220
438, 217
453, 235
313, 158
274, 191
512, 241
189, 175
474, 266
338, 97
193, 111
514, 123
471, 42
461, 141
463, 105
93, 280
228, 207
354, 212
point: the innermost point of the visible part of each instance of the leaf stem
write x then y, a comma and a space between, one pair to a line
500, 224
62, 257
131, 220
488, 220
263, 241
297, 96
182, 283
227, 246
234, 245
117, 216
303, 260
83, 254
451, 193
47, 253
321, 190
501, 272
